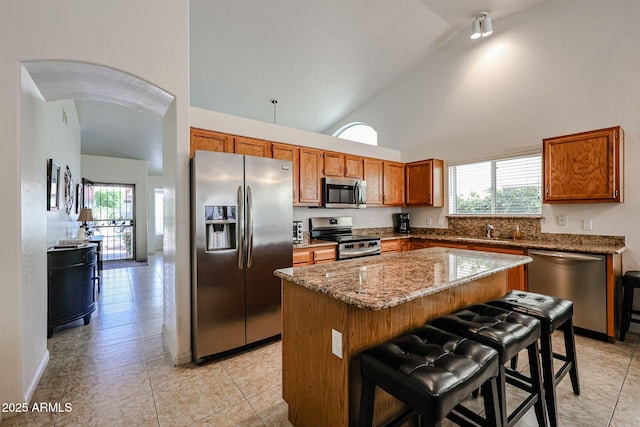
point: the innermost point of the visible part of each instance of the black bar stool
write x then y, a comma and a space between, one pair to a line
432, 372
553, 313
508, 333
630, 281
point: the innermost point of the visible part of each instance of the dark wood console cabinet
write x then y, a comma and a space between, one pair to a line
70, 284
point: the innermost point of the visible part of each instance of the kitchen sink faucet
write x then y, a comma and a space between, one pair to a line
490, 228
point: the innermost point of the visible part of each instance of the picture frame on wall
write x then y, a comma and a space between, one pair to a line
78, 197
53, 178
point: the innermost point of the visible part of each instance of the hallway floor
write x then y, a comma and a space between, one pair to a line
115, 372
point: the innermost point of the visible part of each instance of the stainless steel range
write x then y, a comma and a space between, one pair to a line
339, 229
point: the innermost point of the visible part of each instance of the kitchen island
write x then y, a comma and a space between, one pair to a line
349, 306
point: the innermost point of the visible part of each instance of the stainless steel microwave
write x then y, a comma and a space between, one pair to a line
344, 193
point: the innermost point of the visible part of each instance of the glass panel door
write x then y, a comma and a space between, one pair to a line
114, 218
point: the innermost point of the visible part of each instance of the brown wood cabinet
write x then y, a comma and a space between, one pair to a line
314, 255
424, 181
389, 246
353, 166
310, 190
291, 153
252, 147
584, 167
333, 164
373, 177
393, 183
206, 140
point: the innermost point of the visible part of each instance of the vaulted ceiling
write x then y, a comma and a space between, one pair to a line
319, 60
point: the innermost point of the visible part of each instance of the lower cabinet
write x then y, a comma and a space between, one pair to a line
70, 285
314, 255
395, 245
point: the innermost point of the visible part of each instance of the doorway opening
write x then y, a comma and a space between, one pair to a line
114, 218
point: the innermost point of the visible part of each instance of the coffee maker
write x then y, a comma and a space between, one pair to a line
402, 223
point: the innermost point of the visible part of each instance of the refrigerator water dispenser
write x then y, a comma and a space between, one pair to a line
220, 222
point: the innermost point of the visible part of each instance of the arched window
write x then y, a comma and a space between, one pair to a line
359, 132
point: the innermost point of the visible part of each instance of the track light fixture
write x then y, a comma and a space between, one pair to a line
481, 25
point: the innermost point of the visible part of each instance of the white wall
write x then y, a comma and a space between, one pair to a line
151, 43
154, 243
101, 169
566, 66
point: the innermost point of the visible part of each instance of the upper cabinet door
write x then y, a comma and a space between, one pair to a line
333, 164
584, 167
310, 192
373, 177
393, 183
291, 153
424, 182
210, 141
252, 147
353, 167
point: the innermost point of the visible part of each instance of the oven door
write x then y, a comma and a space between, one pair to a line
343, 193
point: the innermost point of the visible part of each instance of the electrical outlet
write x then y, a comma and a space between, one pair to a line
336, 343
587, 224
562, 220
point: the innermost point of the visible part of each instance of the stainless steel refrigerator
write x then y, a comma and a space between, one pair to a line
241, 216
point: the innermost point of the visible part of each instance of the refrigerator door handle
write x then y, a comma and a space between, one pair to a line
240, 229
249, 227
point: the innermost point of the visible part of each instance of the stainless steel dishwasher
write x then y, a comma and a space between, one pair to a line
578, 277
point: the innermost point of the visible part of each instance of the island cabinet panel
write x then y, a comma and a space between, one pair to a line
291, 153
333, 164
353, 167
393, 184
584, 167
252, 147
373, 178
424, 182
206, 140
322, 389
310, 177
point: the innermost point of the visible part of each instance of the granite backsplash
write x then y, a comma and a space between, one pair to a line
502, 228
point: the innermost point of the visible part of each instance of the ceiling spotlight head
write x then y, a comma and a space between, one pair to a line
487, 27
481, 25
475, 29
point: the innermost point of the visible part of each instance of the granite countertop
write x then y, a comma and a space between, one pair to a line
547, 242
381, 282
312, 243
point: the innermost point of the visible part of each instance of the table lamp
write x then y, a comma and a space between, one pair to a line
85, 215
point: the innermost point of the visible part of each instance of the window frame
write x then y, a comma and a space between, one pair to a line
348, 126
493, 161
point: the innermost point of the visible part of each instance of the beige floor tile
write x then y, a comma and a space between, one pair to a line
162, 372
271, 408
138, 410
256, 371
626, 414
193, 399
107, 388
240, 415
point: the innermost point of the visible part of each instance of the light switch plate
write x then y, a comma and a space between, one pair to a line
562, 220
336, 343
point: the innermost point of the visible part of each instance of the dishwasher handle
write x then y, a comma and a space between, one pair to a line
566, 256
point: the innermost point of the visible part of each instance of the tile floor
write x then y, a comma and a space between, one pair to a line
115, 372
